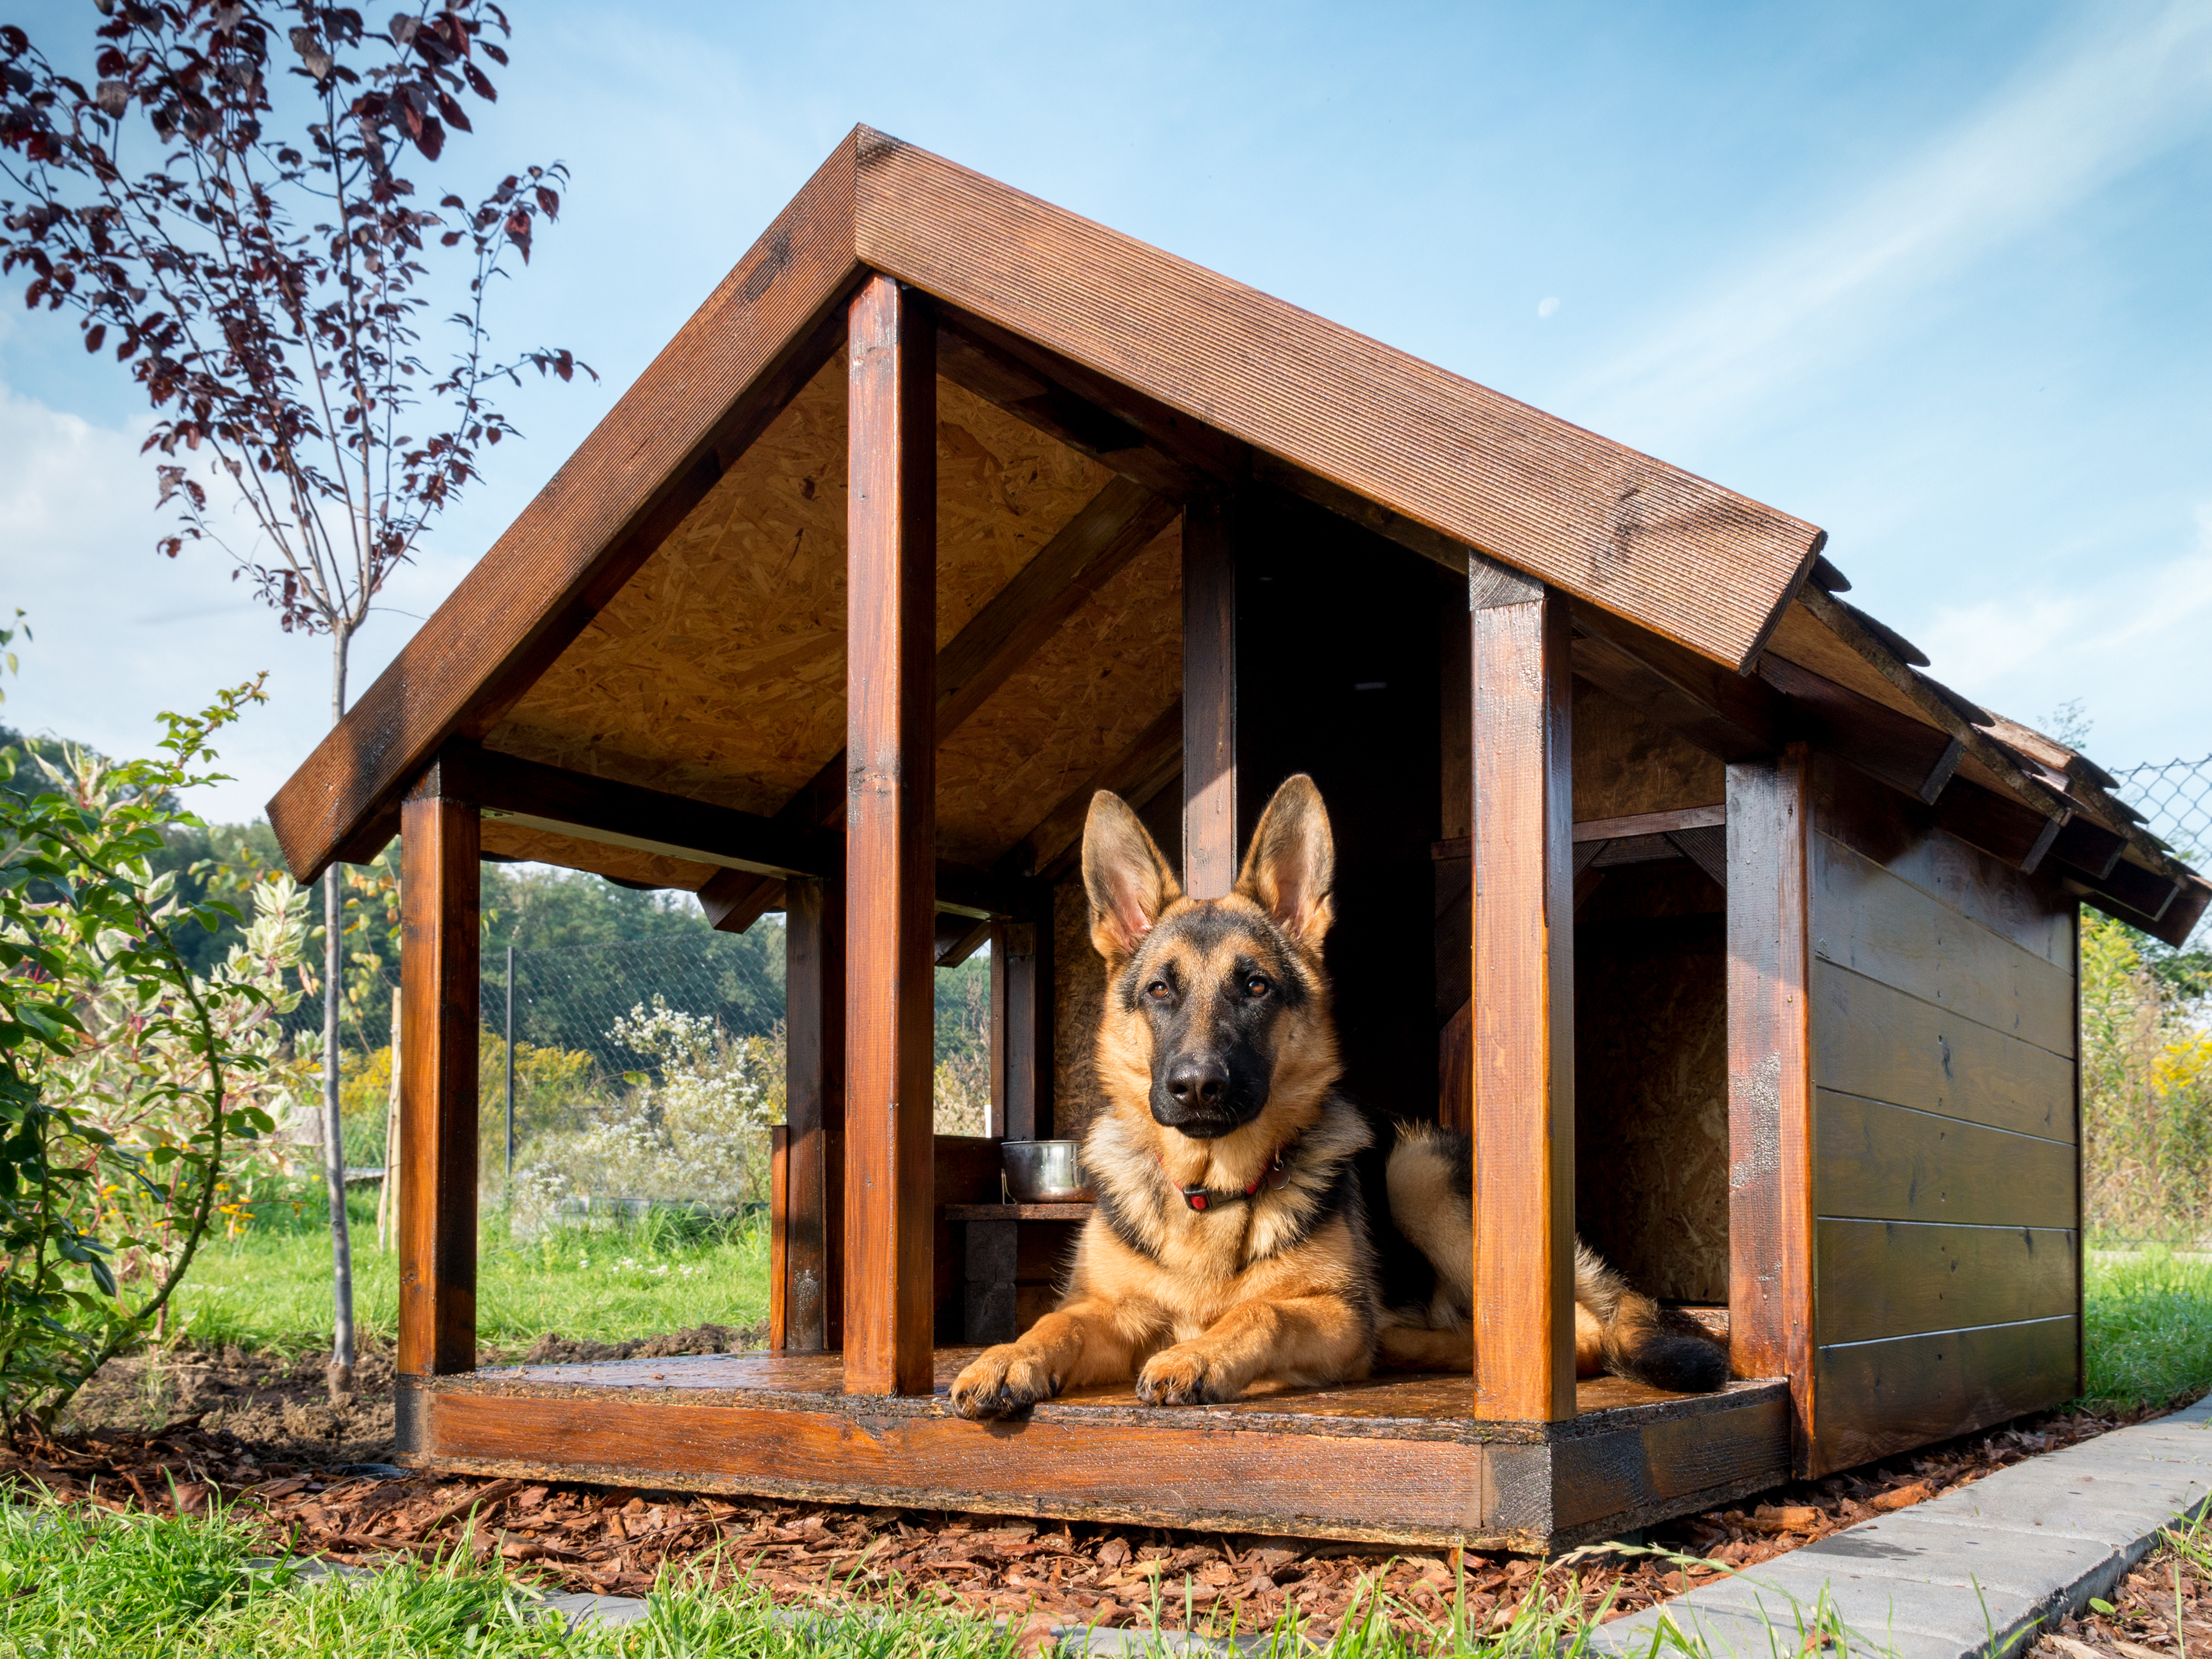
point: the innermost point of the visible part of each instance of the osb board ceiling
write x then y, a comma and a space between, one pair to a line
1110, 671
718, 671
1625, 763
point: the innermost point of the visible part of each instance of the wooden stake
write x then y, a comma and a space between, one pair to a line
1522, 1037
438, 967
890, 831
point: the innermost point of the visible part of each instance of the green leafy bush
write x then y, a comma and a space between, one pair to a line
127, 1082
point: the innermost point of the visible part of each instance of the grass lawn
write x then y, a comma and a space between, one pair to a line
269, 1288
81, 1581
2149, 1329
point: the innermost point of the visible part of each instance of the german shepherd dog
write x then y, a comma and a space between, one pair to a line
1230, 1243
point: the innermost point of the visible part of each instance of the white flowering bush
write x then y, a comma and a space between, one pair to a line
694, 1128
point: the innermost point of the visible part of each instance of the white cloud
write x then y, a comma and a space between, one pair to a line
120, 632
2131, 651
2129, 84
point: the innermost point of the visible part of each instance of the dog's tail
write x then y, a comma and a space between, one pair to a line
1638, 1339
1430, 1176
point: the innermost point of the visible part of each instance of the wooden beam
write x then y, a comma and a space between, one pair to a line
1724, 713
1115, 525
1152, 759
891, 700
626, 815
764, 331
1707, 566
439, 925
1998, 824
1905, 753
959, 936
1090, 548
1769, 1106
735, 899
1101, 415
814, 1096
1522, 1040
2088, 847
1210, 550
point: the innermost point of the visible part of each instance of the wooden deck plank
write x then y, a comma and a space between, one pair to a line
1394, 1460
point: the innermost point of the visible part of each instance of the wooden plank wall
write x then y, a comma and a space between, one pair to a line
1946, 1210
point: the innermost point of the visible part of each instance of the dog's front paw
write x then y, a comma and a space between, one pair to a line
1001, 1380
1182, 1377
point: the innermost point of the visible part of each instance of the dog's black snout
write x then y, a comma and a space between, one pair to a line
1199, 1083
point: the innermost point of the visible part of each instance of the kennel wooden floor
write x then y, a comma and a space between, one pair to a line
1395, 1460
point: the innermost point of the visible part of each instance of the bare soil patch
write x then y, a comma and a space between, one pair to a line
262, 1433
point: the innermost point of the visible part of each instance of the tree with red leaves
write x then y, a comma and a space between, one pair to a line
266, 278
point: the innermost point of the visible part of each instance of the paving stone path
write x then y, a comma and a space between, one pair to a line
1965, 1575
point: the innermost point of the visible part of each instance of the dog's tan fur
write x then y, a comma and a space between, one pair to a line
1618, 1328
1196, 1305
1281, 1284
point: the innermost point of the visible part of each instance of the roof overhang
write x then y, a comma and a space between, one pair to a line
1233, 379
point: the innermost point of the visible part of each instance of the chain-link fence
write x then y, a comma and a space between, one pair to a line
2176, 798
626, 1075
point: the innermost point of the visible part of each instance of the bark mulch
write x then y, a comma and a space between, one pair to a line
618, 1541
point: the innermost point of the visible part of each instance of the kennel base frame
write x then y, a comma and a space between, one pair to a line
1389, 1461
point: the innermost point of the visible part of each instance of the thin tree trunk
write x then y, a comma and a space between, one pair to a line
342, 1350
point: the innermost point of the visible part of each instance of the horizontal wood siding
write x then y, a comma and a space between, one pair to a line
1907, 1277
1875, 1040
1886, 1163
1877, 1398
1947, 1284
1874, 922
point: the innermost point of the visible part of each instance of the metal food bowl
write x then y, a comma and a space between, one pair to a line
1045, 1172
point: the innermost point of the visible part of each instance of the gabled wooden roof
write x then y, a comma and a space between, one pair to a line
1232, 382
668, 614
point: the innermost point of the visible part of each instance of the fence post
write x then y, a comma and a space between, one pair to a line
510, 1071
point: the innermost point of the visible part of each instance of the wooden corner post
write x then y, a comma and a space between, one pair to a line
1210, 851
1770, 1103
440, 902
1523, 1051
890, 840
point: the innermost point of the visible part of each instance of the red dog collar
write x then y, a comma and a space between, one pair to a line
1275, 1177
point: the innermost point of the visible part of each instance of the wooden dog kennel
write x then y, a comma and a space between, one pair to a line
1730, 934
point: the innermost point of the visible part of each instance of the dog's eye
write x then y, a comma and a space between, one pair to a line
1157, 990
1257, 986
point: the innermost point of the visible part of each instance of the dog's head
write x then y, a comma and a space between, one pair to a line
1214, 1009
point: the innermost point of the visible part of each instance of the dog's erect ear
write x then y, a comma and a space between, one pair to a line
1128, 881
1291, 866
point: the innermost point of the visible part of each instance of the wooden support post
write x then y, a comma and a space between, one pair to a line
890, 832
438, 838
814, 1096
994, 1116
1769, 1077
1210, 851
1027, 1109
1523, 1051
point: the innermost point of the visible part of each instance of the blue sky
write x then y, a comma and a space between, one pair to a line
1934, 278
